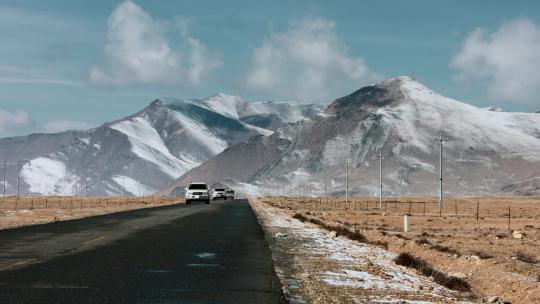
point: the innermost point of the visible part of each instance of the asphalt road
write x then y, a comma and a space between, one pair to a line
195, 253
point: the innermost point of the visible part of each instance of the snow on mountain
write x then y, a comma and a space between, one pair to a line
266, 115
423, 110
147, 144
494, 109
288, 111
145, 150
47, 176
400, 117
224, 104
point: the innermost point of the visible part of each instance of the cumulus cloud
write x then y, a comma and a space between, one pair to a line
507, 59
64, 125
137, 52
20, 123
15, 123
308, 62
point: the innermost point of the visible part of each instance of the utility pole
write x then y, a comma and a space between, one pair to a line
4, 183
290, 186
18, 183
326, 186
380, 179
18, 175
76, 182
86, 181
299, 189
310, 185
441, 139
347, 181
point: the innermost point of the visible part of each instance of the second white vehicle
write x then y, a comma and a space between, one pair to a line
219, 193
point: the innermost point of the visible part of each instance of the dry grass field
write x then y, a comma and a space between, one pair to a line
491, 242
30, 210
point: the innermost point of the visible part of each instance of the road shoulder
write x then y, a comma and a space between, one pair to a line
316, 266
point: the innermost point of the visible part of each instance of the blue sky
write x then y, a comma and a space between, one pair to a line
76, 64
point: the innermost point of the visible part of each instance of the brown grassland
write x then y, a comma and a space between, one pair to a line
30, 210
493, 243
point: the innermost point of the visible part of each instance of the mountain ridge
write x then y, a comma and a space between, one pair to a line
401, 118
146, 149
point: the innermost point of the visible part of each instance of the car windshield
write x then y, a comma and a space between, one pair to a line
230, 191
219, 189
197, 187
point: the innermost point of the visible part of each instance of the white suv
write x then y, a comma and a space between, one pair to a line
197, 192
219, 193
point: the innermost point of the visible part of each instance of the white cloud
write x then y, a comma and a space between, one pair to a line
61, 82
308, 62
19, 123
15, 123
64, 125
138, 52
508, 60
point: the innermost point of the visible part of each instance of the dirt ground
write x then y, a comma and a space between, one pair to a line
23, 211
473, 238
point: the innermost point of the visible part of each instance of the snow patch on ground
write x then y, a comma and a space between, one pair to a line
367, 268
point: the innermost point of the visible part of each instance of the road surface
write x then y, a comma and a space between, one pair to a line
175, 254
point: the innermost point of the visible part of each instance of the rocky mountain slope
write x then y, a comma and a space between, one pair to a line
486, 152
139, 153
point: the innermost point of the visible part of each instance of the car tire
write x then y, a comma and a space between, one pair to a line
188, 202
208, 201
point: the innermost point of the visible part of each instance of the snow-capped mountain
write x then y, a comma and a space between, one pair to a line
136, 154
266, 114
486, 152
495, 109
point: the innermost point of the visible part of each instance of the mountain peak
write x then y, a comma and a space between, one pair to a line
404, 83
494, 109
220, 96
157, 102
380, 94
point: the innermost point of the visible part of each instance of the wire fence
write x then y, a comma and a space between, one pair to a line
81, 202
475, 207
